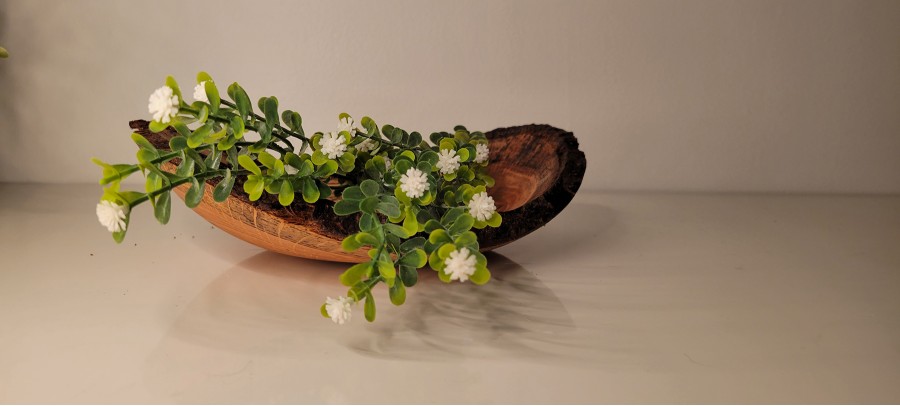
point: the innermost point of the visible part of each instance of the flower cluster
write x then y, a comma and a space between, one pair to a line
163, 105
419, 201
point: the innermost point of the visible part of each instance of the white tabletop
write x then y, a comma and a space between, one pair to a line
622, 298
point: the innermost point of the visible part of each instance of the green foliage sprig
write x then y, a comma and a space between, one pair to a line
417, 202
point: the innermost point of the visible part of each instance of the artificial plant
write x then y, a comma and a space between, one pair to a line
416, 201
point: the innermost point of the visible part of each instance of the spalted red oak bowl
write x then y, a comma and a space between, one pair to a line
537, 168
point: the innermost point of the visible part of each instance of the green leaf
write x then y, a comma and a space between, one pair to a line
463, 223
451, 215
397, 230
163, 208
270, 109
365, 238
181, 128
247, 163
199, 135
156, 126
142, 142
212, 93
414, 139
495, 220
202, 113
448, 144
370, 126
278, 170
435, 261
353, 193
397, 294
367, 222
324, 311
369, 187
430, 157
203, 77
445, 250
481, 275
241, 100
415, 258
266, 159
286, 194
410, 223
178, 143
439, 236
432, 225
213, 159
408, 275
350, 243
386, 269
254, 186
424, 167
346, 207
326, 169
355, 273
368, 204
195, 156
467, 239
411, 244
347, 161
237, 127
310, 191
153, 183
186, 168
463, 155
114, 173
194, 194
402, 165
293, 120
223, 189
370, 307
170, 82
388, 208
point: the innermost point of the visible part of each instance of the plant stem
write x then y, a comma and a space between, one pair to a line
200, 178
250, 126
369, 284
261, 118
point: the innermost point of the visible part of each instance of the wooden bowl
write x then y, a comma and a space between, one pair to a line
538, 169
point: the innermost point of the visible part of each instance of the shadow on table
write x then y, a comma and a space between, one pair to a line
269, 305
513, 316
579, 228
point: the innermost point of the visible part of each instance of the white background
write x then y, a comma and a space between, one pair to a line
799, 96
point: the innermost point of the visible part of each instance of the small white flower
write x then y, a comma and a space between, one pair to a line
448, 161
163, 104
112, 216
333, 145
200, 92
388, 163
482, 206
339, 309
481, 153
346, 124
414, 183
366, 145
460, 265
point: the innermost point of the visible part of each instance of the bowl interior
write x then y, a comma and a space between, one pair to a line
522, 168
